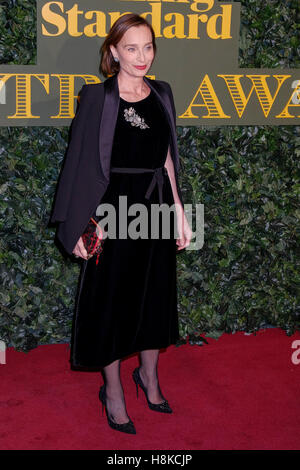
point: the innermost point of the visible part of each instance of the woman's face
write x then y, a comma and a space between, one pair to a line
135, 51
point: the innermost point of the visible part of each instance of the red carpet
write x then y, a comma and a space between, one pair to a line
237, 392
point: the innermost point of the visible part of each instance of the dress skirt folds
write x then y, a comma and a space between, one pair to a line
128, 301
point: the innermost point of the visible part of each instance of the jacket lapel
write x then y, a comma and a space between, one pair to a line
109, 118
165, 100
108, 123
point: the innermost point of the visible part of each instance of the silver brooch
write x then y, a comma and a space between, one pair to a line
135, 120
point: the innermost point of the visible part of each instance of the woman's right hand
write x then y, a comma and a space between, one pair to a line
80, 250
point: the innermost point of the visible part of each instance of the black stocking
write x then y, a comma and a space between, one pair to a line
114, 392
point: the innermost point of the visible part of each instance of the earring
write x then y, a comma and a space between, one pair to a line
116, 59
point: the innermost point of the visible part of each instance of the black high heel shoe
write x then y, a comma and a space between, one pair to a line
163, 407
124, 427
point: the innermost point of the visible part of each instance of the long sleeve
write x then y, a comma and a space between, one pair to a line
68, 172
176, 150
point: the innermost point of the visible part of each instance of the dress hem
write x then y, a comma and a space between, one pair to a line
120, 357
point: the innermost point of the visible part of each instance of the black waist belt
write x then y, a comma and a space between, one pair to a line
158, 178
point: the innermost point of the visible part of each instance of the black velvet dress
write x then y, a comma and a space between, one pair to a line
128, 301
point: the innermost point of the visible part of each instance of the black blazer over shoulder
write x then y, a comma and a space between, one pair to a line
86, 171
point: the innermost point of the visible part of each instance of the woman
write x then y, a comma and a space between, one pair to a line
128, 302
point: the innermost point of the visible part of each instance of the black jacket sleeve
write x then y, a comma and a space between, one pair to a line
68, 172
180, 164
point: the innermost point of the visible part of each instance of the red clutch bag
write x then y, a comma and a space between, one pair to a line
92, 239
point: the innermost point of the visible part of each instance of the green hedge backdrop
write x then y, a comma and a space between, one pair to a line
245, 277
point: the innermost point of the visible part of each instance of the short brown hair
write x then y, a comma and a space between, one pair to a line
108, 66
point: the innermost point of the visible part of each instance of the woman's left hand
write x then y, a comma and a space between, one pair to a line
184, 230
